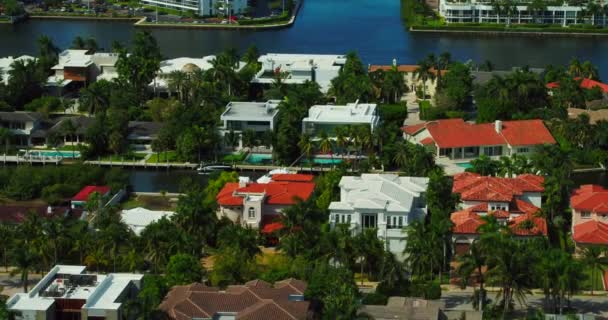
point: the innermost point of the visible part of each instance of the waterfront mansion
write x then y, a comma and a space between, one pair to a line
457, 140
385, 202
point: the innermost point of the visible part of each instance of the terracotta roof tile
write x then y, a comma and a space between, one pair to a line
293, 177
592, 198
83, 195
255, 300
454, 133
585, 84
591, 232
474, 187
277, 192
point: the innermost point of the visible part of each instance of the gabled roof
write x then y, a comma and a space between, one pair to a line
465, 222
592, 198
256, 299
528, 225
591, 232
276, 192
453, 133
83, 195
474, 187
20, 116
468, 222
585, 84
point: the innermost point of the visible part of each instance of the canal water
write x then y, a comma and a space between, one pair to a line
157, 180
371, 27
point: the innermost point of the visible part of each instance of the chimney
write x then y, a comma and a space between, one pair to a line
498, 126
394, 62
243, 181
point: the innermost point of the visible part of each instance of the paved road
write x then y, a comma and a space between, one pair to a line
596, 305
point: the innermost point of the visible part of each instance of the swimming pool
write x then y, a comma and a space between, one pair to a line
55, 154
465, 165
259, 158
323, 161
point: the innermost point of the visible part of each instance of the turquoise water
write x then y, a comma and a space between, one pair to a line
465, 165
259, 158
62, 154
323, 161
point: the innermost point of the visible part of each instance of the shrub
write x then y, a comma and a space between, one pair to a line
374, 299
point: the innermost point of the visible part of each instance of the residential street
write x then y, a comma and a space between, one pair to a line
596, 305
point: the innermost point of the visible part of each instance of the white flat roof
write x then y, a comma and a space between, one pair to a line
387, 192
137, 219
350, 113
109, 290
100, 291
73, 58
251, 111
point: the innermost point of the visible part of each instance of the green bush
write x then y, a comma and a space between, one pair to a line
430, 290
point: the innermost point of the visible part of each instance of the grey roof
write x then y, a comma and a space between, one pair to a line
483, 77
81, 123
20, 116
143, 129
401, 308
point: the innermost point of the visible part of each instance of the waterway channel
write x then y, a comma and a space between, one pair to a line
371, 27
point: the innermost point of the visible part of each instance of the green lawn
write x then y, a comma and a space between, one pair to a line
166, 156
149, 202
235, 157
126, 158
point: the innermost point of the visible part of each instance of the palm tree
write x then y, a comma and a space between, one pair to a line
341, 138
68, 128
5, 135
93, 99
472, 263
78, 43
176, 82
537, 7
596, 258
575, 68
6, 241
369, 248
326, 144
307, 147
424, 73
46, 48
423, 250
25, 261
402, 155
250, 139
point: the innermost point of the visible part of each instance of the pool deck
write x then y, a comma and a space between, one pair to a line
451, 168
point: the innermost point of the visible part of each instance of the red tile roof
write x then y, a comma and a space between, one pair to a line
465, 222
585, 84
427, 141
474, 187
538, 225
454, 133
255, 300
293, 177
83, 195
592, 198
277, 192
591, 232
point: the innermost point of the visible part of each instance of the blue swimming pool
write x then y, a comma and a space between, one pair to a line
465, 165
323, 161
55, 154
259, 158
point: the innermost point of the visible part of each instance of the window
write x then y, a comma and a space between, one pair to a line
585, 214
523, 150
251, 213
369, 221
395, 222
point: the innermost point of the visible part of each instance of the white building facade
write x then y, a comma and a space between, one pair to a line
6, 65
203, 7
327, 117
385, 202
242, 116
484, 12
299, 68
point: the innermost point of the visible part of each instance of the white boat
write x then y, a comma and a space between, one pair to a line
213, 167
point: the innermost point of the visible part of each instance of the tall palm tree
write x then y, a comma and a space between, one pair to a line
307, 147
326, 144
68, 128
472, 263
401, 156
78, 43
6, 242
369, 248
176, 82
596, 258
5, 136
424, 73
537, 7
341, 138
575, 68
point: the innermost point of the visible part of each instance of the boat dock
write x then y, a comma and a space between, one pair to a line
138, 164
30, 160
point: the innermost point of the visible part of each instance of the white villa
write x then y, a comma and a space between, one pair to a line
257, 116
82, 67
137, 219
185, 64
21, 125
299, 68
385, 202
327, 117
6, 65
203, 7
68, 292
483, 12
